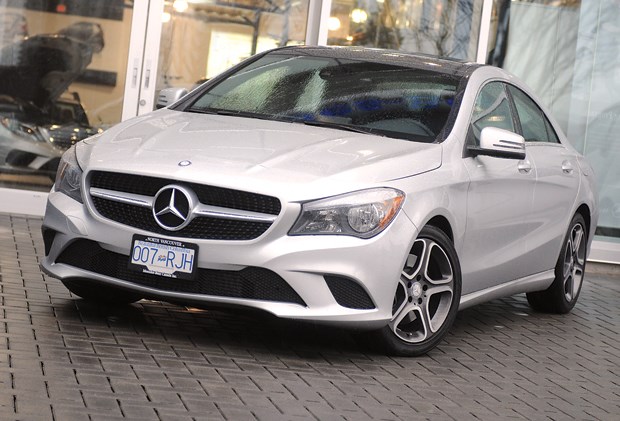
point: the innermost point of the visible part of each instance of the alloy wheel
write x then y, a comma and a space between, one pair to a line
574, 262
424, 294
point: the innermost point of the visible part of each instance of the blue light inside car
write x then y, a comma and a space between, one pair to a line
338, 109
423, 102
368, 104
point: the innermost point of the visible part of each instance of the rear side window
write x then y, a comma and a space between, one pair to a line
534, 124
553, 137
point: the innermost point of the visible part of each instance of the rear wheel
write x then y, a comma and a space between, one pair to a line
562, 295
100, 294
427, 296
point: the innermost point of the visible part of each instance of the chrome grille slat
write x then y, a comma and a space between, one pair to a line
227, 213
199, 210
122, 197
208, 195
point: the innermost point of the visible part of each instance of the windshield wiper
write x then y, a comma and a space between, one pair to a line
233, 113
280, 117
340, 126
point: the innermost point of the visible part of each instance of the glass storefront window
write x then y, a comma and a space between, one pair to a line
62, 66
446, 28
568, 52
202, 39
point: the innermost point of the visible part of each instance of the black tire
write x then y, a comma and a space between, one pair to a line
570, 268
426, 299
100, 294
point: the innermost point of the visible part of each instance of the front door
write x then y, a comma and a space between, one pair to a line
499, 190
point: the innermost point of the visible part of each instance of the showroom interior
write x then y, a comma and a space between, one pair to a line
106, 61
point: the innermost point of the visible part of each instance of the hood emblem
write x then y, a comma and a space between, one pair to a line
172, 207
185, 163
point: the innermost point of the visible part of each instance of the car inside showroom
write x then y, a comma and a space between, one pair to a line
315, 209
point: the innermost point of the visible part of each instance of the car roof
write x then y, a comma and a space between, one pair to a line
421, 61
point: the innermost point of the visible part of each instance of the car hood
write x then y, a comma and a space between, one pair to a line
40, 68
246, 153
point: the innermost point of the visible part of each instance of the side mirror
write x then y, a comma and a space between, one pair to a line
499, 143
169, 96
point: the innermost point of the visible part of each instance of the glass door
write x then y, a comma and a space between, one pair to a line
195, 40
68, 69
574, 69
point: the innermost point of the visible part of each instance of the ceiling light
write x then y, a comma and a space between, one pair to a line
359, 16
333, 23
180, 5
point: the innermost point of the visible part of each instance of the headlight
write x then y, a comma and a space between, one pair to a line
22, 129
69, 176
362, 214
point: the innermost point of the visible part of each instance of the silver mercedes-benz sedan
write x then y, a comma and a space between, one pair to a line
372, 189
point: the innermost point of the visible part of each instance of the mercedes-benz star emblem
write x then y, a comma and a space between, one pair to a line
172, 207
185, 163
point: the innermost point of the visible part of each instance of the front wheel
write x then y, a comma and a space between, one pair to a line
427, 296
562, 295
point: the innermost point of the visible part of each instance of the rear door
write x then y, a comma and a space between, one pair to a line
557, 184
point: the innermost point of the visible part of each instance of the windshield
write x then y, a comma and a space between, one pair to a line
377, 98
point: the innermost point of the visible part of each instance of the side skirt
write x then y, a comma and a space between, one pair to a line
537, 282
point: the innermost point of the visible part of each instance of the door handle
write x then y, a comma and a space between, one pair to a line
567, 167
134, 73
524, 166
147, 78
147, 74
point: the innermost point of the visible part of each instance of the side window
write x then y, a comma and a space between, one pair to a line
492, 109
533, 122
553, 137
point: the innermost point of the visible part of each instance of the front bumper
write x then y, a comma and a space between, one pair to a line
303, 262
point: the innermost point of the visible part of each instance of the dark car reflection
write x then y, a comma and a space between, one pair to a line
38, 119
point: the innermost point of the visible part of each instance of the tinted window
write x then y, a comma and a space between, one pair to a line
533, 123
492, 109
380, 98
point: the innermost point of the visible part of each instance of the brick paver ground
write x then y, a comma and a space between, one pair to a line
64, 359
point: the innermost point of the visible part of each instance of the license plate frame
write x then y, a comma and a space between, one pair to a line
163, 257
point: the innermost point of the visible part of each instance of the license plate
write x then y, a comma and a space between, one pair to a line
159, 256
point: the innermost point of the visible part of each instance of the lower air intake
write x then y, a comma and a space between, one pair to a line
250, 283
349, 293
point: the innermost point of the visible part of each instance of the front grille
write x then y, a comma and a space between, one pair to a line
250, 283
349, 293
201, 227
208, 195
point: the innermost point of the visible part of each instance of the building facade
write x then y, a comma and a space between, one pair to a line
72, 68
